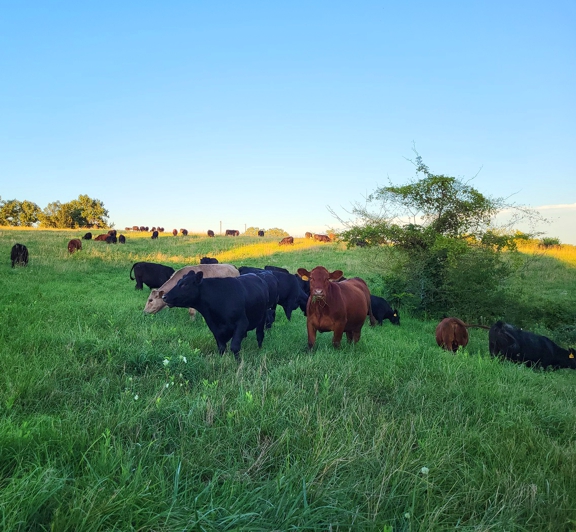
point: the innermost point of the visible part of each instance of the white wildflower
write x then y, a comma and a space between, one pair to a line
424, 470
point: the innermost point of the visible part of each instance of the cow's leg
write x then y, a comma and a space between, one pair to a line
311, 334
337, 338
350, 336
260, 331
240, 332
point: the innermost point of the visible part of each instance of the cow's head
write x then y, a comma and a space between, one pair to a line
395, 319
572, 358
186, 291
320, 279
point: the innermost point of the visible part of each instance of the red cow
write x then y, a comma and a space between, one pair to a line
175, 232
341, 307
286, 240
451, 333
102, 238
322, 238
232, 232
74, 245
307, 234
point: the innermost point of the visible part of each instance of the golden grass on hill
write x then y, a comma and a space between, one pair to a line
265, 249
564, 252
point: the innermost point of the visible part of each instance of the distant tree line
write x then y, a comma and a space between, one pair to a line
81, 212
274, 231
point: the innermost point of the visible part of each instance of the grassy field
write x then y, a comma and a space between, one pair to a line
112, 420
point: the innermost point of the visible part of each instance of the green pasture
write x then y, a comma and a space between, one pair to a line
112, 420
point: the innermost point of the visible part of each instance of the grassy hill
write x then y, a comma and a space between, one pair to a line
116, 420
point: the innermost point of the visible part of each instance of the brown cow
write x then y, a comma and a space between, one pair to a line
155, 302
232, 232
102, 238
307, 235
341, 307
286, 240
321, 238
175, 232
451, 333
74, 245
210, 233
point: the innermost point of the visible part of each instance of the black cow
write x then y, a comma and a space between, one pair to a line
122, 239
382, 310
527, 347
231, 306
113, 232
290, 293
210, 233
151, 274
111, 239
184, 231
87, 236
260, 233
304, 285
154, 234
208, 260
19, 255
272, 284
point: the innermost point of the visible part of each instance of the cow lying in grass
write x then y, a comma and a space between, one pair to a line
528, 348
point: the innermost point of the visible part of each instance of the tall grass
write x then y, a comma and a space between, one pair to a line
116, 420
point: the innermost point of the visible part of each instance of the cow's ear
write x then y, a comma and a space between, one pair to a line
160, 293
304, 273
199, 277
336, 274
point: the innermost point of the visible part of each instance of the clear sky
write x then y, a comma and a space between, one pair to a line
185, 114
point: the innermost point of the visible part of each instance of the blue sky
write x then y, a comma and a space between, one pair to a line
188, 114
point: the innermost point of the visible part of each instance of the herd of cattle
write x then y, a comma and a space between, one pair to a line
234, 301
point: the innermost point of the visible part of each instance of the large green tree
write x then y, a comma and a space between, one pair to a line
81, 212
18, 213
447, 253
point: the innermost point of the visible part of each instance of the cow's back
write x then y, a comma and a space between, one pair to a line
356, 300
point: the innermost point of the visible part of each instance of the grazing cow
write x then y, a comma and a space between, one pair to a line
160, 229
272, 284
260, 233
151, 274
153, 229
231, 306
74, 245
528, 348
155, 302
122, 239
208, 260
175, 232
210, 233
135, 228
19, 255
154, 235
304, 285
322, 238
102, 237
87, 236
143, 228
340, 307
232, 232
307, 235
451, 333
286, 240
184, 231
111, 239
127, 229
383, 311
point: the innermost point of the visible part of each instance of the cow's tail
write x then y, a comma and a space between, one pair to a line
373, 320
131, 270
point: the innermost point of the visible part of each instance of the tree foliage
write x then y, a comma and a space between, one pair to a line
253, 231
18, 213
81, 212
448, 254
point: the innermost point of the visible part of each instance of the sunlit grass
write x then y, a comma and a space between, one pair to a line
266, 249
564, 252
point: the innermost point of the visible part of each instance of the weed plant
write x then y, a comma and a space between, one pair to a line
112, 420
